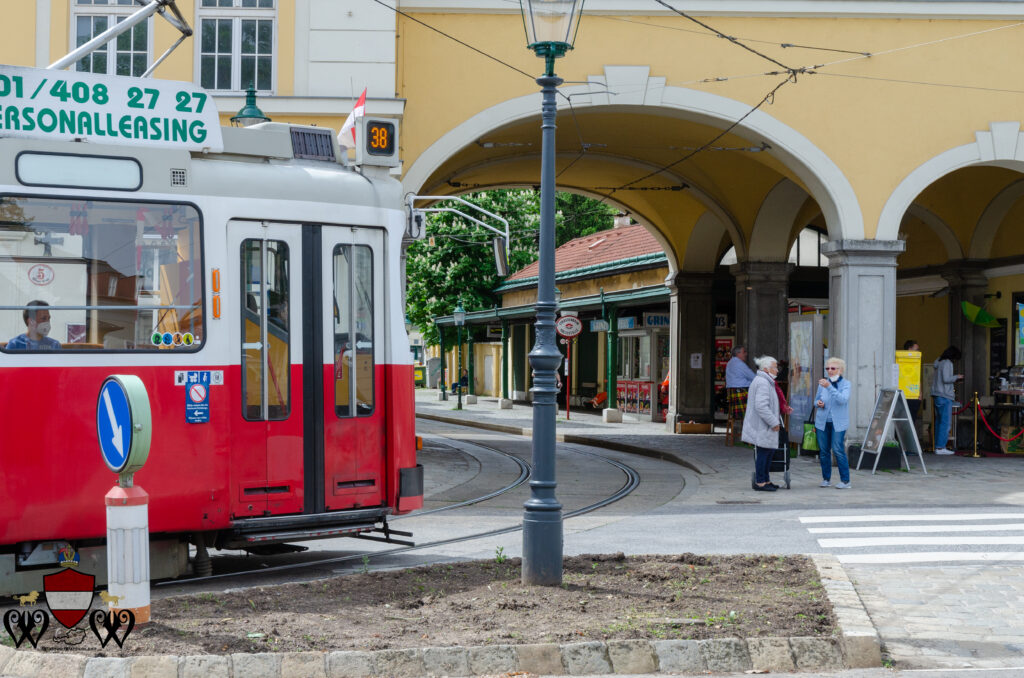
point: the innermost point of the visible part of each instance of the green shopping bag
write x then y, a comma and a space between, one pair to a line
810, 437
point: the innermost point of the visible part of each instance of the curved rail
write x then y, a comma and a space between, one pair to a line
524, 475
631, 483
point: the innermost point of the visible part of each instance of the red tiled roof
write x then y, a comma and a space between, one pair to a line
600, 248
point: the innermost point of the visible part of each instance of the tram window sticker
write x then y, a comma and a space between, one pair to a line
380, 137
126, 276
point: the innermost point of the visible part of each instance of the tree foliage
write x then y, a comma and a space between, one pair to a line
460, 262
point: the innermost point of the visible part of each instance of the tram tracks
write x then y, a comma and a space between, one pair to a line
630, 483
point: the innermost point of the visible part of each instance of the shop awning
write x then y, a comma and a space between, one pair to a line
640, 295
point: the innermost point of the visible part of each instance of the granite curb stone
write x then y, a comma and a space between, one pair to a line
856, 646
718, 655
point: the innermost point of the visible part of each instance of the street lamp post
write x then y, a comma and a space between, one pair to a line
460, 320
550, 31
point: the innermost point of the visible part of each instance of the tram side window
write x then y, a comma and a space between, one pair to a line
353, 331
266, 330
114, 275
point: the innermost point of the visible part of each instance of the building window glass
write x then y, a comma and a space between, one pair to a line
236, 45
128, 54
353, 331
117, 275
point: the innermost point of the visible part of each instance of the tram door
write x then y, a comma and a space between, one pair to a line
266, 439
310, 434
352, 393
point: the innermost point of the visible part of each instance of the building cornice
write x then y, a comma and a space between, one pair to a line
901, 9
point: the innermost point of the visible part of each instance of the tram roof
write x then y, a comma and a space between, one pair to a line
257, 162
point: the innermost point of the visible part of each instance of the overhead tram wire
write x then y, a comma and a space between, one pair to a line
770, 96
722, 35
921, 82
453, 38
807, 70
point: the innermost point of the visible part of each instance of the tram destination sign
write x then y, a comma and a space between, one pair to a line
109, 109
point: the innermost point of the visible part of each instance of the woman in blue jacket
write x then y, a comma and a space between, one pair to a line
831, 419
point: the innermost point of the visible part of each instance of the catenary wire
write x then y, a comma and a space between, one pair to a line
767, 98
452, 37
717, 32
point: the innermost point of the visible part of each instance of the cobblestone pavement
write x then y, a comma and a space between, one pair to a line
944, 612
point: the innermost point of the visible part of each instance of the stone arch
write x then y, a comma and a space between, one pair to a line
1001, 146
823, 178
992, 218
702, 249
773, 225
940, 228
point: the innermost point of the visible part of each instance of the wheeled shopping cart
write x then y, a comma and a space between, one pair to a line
779, 462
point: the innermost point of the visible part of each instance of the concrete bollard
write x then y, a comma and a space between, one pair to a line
128, 551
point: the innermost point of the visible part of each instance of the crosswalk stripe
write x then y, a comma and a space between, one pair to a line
881, 518
928, 557
853, 542
877, 529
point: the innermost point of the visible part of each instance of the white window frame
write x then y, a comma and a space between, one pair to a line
236, 14
112, 11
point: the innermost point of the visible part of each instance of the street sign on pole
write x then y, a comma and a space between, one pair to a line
123, 423
568, 326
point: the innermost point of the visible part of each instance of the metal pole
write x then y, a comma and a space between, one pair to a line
542, 515
975, 455
458, 371
444, 364
504, 359
568, 375
612, 362
106, 36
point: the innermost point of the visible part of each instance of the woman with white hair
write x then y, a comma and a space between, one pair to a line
831, 419
763, 420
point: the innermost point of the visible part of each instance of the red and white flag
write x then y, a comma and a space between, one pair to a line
347, 135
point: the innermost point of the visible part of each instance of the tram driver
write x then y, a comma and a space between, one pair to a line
37, 323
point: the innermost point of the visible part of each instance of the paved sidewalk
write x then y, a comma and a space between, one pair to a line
945, 615
722, 468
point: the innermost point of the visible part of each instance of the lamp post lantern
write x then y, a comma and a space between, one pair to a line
551, 27
460, 320
250, 114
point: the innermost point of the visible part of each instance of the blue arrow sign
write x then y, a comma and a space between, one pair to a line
114, 424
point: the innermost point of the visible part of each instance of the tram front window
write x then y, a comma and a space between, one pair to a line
112, 275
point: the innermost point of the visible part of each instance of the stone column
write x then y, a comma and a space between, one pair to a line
862, 319
762, 288
967, 282
691, 332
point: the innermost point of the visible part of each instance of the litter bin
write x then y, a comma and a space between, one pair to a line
419, 375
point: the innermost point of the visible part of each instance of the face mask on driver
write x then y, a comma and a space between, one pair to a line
43, 328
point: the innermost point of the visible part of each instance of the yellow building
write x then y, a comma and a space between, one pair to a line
726, 128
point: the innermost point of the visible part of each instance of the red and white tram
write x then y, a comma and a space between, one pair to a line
269, 271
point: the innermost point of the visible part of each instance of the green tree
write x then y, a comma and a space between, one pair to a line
460, 262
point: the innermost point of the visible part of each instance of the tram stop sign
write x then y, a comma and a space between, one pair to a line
568, 326
123, 423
